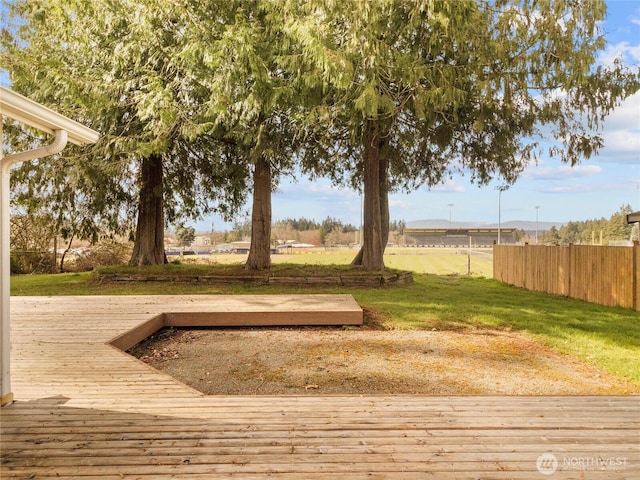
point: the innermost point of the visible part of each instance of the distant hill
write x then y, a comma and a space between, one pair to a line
526, 225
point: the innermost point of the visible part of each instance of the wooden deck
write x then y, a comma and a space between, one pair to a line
86, 409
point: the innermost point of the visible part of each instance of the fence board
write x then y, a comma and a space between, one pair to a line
636, 269
597, 274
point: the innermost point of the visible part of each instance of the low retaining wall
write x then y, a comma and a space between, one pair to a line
378, 280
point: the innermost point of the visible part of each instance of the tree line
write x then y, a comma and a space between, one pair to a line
203, 105
328, 232
303, 230
597, 231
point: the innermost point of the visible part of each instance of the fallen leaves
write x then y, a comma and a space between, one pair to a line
162, 354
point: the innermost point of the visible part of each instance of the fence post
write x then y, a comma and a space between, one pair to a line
571, 269
635, 269
493, 266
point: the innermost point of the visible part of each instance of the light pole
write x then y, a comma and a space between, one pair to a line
500, 189
537, 208
450, 206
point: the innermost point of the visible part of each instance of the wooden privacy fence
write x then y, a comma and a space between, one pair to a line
597, 274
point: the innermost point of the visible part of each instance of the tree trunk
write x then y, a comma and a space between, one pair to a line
260, 250
148, 247
55, 252
376, 203
383, 164
64, 254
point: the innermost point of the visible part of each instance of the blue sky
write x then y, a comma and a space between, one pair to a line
596, 188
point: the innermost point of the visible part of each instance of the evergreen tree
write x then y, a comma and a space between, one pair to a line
413, 91
251, 98
551, 237
598, 230
617, 227
119, 67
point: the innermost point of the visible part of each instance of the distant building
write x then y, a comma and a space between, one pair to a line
292, 246
458, 237
202, 241
442, 233
232, 247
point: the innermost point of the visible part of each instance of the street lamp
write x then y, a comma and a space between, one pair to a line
537, 208
450, 205
500, 189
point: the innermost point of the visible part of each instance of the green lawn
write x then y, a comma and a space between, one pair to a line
441, 261
606, 337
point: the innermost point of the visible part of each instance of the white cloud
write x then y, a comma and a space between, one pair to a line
627, 186
621, 133
626, 51
450, 185
621, 147
320, 190
563, 172
400, 204
626, 116
574, 188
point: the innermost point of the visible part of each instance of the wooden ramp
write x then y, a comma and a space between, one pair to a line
87, 410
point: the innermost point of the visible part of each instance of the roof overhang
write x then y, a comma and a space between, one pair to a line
33, 114
633, 217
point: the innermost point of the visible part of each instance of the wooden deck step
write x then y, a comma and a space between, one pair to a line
249, 311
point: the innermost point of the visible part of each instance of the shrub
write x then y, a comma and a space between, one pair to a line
102, 255
32, 262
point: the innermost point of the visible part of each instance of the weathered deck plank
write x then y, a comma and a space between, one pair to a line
86, 409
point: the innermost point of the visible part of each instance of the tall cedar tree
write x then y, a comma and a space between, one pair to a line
252, 100
414, 90
117, 66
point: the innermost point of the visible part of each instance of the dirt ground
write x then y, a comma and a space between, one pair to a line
370, 360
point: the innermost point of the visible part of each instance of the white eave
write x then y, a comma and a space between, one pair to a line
31, 113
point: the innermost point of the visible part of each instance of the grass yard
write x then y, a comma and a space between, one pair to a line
606, 337
439, 261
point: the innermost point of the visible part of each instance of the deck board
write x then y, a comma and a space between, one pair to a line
87, 410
